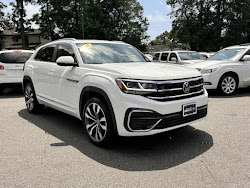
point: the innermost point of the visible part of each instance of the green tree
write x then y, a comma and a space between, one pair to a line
169, 39
110, 20
2, 25
208, 25
18, 18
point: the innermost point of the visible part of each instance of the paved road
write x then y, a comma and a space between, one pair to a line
52, 150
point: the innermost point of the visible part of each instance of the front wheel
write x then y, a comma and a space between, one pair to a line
228, 84
98, 122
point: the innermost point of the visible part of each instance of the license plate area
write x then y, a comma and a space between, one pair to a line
189, 109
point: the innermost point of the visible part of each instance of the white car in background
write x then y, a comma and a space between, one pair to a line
207, 54
11, 67
178, 57
149, 56
227, 70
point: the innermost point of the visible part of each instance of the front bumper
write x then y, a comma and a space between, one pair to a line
211, 80
138, 120
169, 109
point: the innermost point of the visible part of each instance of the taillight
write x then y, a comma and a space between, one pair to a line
23, 67
1, 67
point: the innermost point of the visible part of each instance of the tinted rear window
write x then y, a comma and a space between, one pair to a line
14, 57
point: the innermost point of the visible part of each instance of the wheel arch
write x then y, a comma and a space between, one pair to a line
90, 91
26, 79
230, 73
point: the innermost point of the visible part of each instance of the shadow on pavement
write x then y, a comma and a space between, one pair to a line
242, 92
15, 92
149, 153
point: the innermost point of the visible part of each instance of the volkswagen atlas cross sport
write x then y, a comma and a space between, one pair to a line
227, 70
112, 88
11, 67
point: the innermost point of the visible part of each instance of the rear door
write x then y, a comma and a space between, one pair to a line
44, 68
13, 62
164, 57
156, 57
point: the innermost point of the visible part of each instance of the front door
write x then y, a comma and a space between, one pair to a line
246, 71
66, 78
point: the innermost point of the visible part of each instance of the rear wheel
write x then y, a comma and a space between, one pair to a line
228, 84
32, 104
98, 122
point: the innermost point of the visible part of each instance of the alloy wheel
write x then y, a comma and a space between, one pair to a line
228, 85
29, 97
95, 122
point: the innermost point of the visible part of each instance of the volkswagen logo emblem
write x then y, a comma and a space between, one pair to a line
186, 87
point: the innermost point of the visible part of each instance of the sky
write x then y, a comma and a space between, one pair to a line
156, 12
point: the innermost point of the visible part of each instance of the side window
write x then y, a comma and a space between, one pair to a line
156, 56
45, 54
164, 56
172, 55
65, 50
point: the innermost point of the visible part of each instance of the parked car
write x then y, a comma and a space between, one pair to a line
149, 56
11, 67
206, 55
227, 70
178, 57
112, 88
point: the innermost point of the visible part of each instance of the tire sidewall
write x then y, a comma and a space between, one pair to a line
36, 104
110, 133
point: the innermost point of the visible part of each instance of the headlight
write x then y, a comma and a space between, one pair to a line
137, 87
209, 71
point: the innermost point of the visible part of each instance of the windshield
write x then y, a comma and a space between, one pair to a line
14, 57
190, 56
226, 54
97, 53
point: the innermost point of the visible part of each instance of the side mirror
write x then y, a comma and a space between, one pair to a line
174, 59
66, 61
245, 58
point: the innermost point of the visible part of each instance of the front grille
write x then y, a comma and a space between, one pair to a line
173, 89
139, 120
178, 119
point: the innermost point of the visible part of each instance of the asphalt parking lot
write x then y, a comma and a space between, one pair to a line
52, 150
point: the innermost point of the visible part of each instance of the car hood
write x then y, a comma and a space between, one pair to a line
151, 71
188, 62
206, 64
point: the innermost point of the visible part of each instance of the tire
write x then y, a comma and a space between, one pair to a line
98, 122
31, 102
228, 84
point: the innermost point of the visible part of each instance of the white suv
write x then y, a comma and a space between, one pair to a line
227, 70
11, 67
112, 88
178, 57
